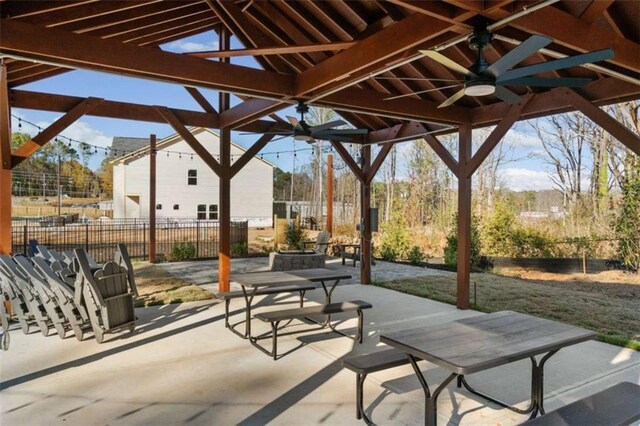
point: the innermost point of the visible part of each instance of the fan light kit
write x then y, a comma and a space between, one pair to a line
483, 79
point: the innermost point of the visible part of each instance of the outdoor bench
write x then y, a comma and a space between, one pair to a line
228, 295
616, 405
371, 363
275, 317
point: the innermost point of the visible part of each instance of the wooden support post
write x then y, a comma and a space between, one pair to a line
5, 209
5, 164
365, 201
152, 198
464, 218
224, 202
330, 193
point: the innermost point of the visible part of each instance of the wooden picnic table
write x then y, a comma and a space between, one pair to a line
251, 282
482, 342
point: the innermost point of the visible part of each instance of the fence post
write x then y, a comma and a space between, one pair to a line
86, 237
24, 239
198, 238
144, 240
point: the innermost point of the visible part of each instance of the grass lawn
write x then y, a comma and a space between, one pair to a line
157, 287
612, 309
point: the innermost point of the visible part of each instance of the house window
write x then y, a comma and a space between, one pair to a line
192, 177
176, 206
213, 212
158, 206
202, 211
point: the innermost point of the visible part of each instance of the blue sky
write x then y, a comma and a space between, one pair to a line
525, 174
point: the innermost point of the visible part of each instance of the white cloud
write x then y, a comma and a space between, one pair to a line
191, 46
520, 179
519, 138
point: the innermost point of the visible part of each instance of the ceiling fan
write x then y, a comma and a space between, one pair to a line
304, 132
482, 79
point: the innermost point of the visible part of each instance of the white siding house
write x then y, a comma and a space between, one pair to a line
186, 187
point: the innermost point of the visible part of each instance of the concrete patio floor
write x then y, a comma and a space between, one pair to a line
181, 366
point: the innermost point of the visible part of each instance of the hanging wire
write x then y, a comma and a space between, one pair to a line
121, 153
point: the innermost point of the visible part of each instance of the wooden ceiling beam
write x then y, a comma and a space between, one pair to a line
201, 100
496, 136
444, 154
250, 153
606, 91
24, 9
579, 35
372, 102
26, 150
127, 111
348, 160
148, 24
595, 10
188, 137
177, 34
377, 163
81, 51
248, 111
233, 17
440, 10
274, 50
604, 120
84, 11
165, 29
374, 50
123, 16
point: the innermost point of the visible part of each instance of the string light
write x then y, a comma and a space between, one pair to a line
86, 147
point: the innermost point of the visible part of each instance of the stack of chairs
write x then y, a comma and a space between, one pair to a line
68, 292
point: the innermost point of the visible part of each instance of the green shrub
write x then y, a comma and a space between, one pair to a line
627, 225
295, 236
182, 251
416, 255
239, 249
395, 241
531, 242
498, 229
451, 248
387, 253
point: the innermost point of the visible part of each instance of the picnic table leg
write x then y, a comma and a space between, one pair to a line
537, 389
248, 299
431, 400
327, 297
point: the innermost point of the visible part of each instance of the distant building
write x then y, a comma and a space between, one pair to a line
185, 186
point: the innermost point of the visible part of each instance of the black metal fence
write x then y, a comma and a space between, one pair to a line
100, 238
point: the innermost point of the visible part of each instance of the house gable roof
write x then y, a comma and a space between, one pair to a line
143, 149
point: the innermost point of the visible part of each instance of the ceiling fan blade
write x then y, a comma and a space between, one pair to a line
546, 82
452, 99
446, 80
294, 122
331, 132
265, 133
421, 91
327, 125
557, 64
443, 60
336, 138
518, 54
282, 137
506, 95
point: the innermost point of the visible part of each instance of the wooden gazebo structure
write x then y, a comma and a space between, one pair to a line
327, 53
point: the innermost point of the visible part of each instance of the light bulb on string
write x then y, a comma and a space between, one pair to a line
19, 123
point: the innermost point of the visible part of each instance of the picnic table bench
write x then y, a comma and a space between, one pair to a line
259, 281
